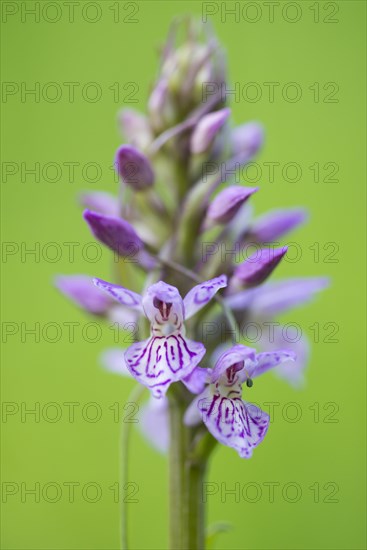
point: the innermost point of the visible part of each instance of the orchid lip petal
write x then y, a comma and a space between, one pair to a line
201, 294
160, 360
233, 422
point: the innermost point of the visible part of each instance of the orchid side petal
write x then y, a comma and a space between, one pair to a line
201, 294
113, 360
154, 423
120, 294
196, 381
265, 361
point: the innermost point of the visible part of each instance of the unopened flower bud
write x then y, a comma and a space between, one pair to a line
258, 267
161, 111
135, 128
276, 223
100, 201
116, 233
247, 139
81, 290
227, 203
206, 130
134, 168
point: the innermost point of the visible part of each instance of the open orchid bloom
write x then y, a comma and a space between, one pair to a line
232, 421
167, 356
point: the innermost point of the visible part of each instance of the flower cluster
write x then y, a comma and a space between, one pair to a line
177, 209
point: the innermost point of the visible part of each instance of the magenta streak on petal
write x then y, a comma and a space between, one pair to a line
191, 353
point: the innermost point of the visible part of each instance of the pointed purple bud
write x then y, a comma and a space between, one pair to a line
104, 203
258, 267
134, 168
115, 233
82, 291
227, 203
206, 130
247, 139
135, 128
276, 223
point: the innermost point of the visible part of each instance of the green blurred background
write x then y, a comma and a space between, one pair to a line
318, 461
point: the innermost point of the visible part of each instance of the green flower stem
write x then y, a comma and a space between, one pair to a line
195, 506
134, 397
177, 472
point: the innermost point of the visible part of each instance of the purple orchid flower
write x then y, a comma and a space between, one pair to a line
167, 356
232, 421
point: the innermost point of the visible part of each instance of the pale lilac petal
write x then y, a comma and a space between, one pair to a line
227, 203
126, 297
135, 127
201, 294
124, 317
159, 361
292, 338
265, 361
193, 415
154, 423
113, 360
258, 267
196, 381
241, 223
234, 423
277, 297
115, 233
234, 355
247, 138
134, 168
81, 290
101, 202
163, 306
206, 130
276, 223
159, 105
